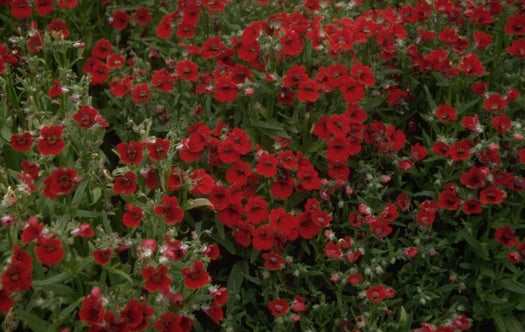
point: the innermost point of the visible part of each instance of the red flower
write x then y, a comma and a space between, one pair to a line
505, 236
142, 16
295, 75
6, 302
165, 27
278, 307
120, 20
130, 153
212, 48
448, 201
22, 142
263, 238
256, 210
308, 90
32, 231
56, 89
515, 25
491, 196
49, 250
51, 144
185, 30
471, 66
446, 113
482, 40
187, 70
150, 176
273, 261
202, 182
87, 117
102, 49
471, 206
354, 278
133, 215
175, 179
92, 312
16, 278
141, 93
308, 178
58, 28
460, 150
67, 3
20, 9
267, 165
170, 322
169, 210
158, 149
501, 123
376, 293
44, 7
363, 74
441, 148
84, 231
196, 276
136, 315
225, 89
156, 279
517, 48
36, 42
126, 184
61, 182
239, 140
102, 256
238, 173
282, 187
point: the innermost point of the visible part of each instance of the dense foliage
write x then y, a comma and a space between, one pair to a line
262, 165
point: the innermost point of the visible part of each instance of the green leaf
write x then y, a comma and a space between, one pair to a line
59, 278
513, 286
79, 194
513, 324
69, 309
88, 214
34, 323
480, 249
430, 100
119, 272
500, 323
235, 280
270, 128
97, 193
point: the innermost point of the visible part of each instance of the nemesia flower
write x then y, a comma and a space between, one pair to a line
51, 143
278, 307
195, 276
505, 236
130, 153
6, 302
125, 184
92, 311
67, 3
156, 278
169, 210
61, 182
49, 250
16, 278
87, 117
172, 322
120, 20
22, 142
102, 256
20, 9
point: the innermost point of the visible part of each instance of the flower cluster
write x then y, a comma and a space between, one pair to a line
257, 165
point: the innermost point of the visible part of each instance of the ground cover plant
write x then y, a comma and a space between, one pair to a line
227, 165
